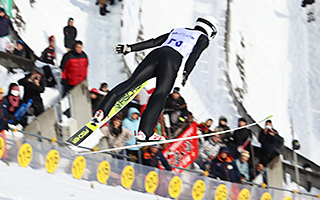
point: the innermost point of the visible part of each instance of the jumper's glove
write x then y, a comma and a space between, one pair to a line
122, 48
184, 77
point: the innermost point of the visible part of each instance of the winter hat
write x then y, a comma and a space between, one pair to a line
20, 42
223, 149
94, 90
51, 38
38, 70
70, 19
117, 117
2, 10
176, 89
1, 90
242, 119
156, 145
245, 153
13, 97
14, 90
223, 118
269, 121
103, 85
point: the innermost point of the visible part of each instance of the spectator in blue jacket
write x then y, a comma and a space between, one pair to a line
132, 122
5, 24
243, 165
151, 157
20, 50
224, 167
3, 112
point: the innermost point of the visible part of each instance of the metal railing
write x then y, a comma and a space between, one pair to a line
53, 140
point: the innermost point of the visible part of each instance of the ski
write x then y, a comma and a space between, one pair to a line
89, 128
173, 140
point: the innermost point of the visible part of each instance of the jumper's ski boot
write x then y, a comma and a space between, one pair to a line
98, 117
141, 137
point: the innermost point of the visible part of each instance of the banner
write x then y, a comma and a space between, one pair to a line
183, 153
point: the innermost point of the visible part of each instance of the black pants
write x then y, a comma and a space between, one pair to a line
162, 63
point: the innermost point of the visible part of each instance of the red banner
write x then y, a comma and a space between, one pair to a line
183, 153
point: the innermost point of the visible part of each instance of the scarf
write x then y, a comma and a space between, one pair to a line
13, 102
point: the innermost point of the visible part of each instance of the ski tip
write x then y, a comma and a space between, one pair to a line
270, 116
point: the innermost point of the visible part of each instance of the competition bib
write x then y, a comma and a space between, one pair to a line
182, 40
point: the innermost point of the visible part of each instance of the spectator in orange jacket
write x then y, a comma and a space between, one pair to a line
224, 167
74, 66
151, 157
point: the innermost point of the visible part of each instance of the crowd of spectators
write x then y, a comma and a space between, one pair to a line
231, 151
225, 156
73, 68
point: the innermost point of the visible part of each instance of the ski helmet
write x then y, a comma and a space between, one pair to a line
209, 24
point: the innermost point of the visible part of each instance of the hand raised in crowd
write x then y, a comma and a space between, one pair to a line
35, 78
269, 130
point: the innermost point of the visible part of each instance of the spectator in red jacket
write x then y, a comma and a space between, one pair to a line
204, 127
74, 66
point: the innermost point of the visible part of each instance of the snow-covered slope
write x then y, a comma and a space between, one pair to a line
280, 53
278, 48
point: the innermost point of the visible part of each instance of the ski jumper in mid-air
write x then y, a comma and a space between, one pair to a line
163, 63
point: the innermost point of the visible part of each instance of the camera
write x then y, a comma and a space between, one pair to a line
268, 127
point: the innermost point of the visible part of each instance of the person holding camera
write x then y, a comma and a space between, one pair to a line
33, 87
272, 144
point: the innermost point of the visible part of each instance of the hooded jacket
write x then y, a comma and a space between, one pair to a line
225, 169
132, 125
14, 101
